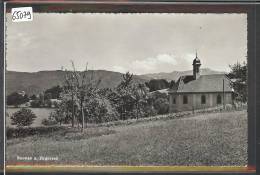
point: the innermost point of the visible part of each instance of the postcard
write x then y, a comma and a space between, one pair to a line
126, 89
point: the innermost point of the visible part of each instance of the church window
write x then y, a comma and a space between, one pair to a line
219, 99
203, 99
185, 99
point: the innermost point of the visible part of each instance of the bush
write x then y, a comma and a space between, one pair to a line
16, 99
49, 122
36, 104
100, 110
55, 104
161, 105
149, 111
23, 117
57, 116
52, 119
30, 131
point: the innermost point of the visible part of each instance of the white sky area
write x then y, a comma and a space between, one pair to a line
139, 43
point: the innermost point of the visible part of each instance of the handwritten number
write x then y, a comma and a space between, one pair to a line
18, 15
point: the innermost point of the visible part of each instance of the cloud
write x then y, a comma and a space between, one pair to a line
189, 57
165, 58
119, 69
152, 63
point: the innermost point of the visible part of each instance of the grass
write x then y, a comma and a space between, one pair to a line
204, 139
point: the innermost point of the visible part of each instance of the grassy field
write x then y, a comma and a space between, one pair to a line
41, 113
203, 139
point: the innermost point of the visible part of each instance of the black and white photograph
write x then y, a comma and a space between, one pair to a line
127, 89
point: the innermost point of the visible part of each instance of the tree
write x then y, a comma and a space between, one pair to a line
16, 99
172, 84
58, 115
123, 97
157, 84
140, 98
161, 105
41, 99
23, 117
53, 93
238, 75
159, 102
83, 86
36, 103
97, 109
47, 96
33, 97
48, 103
129, 98
70, 90
126, 81
50, 121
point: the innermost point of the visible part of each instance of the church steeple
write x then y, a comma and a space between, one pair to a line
196, 67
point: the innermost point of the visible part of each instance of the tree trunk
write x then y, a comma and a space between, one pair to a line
78, 123
137, 110
83, 117
73, 115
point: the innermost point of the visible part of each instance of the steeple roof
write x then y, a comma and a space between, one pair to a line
196, 61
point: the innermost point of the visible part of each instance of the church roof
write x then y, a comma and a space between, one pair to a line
205, 83
196, 61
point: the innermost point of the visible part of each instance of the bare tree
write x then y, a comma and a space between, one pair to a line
85, 87
70, 89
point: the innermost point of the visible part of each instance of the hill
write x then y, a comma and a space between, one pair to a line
176, 74
37, 82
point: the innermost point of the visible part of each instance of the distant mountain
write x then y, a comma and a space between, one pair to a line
37, 82
176, 74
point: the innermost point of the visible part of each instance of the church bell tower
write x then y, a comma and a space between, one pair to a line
196, 67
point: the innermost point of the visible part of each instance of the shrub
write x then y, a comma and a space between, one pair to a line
149, 111
57, 116
36, 104
23, 117
16, 99
161, 105
48, 103
49, 122
30, 131
55, 104
100, 110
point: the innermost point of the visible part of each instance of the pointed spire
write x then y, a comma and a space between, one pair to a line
196, 54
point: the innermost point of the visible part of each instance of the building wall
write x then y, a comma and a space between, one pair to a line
194, 101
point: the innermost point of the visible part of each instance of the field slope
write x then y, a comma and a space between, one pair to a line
204, 139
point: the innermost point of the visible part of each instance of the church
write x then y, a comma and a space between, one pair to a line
197, 91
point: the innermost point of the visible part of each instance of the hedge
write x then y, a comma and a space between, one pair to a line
29, 131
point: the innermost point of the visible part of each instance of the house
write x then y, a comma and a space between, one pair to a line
200, 91
22, 93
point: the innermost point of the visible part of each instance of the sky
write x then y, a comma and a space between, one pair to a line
139, 43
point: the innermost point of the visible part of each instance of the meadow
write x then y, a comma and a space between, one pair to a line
201, 139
